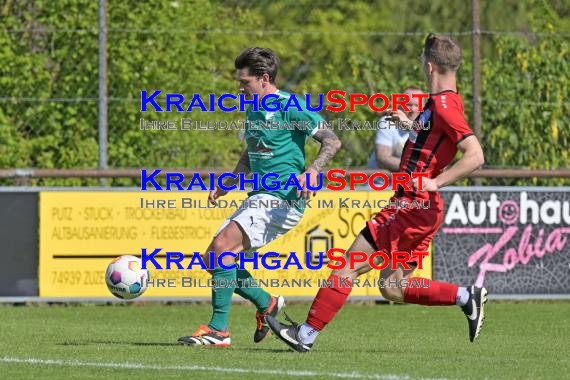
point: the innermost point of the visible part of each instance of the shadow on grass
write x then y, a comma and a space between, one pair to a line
164, 344
284, 350
98, 342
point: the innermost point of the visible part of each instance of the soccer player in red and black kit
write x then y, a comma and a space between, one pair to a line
428, 151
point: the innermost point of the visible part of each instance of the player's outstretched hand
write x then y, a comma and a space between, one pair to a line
314, 180
428, 184
215, 194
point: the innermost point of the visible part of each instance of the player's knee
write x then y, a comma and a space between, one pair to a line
219, 245
392, 293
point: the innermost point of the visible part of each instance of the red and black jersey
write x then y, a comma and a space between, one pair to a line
431, 149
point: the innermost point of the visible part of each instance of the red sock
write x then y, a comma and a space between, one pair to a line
328, 302
436, 294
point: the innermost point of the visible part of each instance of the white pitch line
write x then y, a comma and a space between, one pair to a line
77, 363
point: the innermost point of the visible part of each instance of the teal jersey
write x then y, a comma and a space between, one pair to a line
280, 148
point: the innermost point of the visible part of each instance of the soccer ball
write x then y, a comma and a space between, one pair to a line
125, 277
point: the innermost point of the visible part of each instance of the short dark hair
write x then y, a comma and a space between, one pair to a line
413, 89
442, 51
259, 61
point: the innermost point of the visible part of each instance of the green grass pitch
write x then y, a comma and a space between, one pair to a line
519, 340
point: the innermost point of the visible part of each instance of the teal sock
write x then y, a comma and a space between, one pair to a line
249, 289
222, 298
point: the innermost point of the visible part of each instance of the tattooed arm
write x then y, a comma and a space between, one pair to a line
330, 145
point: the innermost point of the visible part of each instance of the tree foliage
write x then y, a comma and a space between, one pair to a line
49, 82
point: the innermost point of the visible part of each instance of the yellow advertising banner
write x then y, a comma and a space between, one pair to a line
82, 232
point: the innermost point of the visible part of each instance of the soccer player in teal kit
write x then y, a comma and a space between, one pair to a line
269, 150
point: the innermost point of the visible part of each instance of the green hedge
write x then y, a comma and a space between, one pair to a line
48, 113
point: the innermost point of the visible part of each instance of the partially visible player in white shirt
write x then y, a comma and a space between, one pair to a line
389, 142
